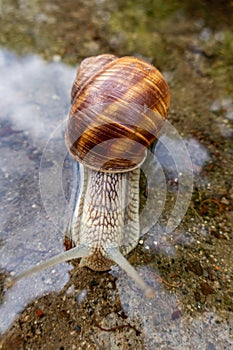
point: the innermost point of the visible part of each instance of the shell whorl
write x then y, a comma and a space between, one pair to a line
118, 107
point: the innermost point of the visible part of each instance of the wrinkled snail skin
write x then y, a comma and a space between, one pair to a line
106, 212
118, 105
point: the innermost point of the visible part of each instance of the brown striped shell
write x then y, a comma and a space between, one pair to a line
118, 106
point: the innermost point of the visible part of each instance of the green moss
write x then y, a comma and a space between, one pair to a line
140, 26
223, 70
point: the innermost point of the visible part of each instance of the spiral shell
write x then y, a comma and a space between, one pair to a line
118, 107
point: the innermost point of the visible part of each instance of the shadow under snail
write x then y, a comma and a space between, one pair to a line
118, 105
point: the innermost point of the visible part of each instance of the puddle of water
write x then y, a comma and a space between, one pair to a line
35, 99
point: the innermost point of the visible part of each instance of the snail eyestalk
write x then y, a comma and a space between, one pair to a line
115, 255
74, 253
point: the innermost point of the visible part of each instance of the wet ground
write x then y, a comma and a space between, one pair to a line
191, 268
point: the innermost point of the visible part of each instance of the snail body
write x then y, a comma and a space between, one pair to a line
106, 215
118, 105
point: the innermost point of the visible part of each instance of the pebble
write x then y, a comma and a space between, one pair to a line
225, 201
81, 296
56, 58
206, 289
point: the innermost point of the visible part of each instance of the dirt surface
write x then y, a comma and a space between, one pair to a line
191, 269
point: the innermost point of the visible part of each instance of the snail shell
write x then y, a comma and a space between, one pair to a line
129, 98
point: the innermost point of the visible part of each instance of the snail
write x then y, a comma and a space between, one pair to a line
118, 105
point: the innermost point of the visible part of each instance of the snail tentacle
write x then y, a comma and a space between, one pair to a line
76, 252
115, 255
